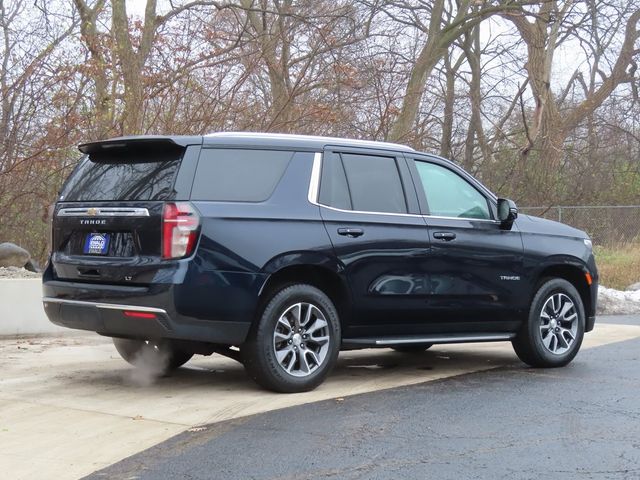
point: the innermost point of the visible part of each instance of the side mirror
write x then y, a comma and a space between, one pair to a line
507, 212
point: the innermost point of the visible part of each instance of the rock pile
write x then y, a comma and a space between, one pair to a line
11, 255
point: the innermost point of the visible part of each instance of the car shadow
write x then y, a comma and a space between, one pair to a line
383, 367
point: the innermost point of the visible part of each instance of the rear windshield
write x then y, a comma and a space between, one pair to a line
118, 178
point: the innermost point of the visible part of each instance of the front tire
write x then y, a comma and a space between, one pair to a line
296, 341
553, 333
159, 356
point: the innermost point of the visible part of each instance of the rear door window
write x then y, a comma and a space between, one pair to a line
239, 175
122, 177
362, 182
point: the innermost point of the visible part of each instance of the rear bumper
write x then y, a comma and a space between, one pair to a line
168, 311
118, 320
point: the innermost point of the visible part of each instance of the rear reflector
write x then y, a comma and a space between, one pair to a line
129, 313
180, 223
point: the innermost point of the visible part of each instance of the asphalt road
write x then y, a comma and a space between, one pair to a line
513, 422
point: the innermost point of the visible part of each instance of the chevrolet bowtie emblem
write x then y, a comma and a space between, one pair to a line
92, 211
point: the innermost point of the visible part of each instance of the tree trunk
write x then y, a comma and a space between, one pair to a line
274, 43
102, 101
475, 133
131, 65
449, 100
427, 60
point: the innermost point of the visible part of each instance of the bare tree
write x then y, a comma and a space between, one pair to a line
98, 66
543, 30
441, 24
30, 79
296, 44
131, 49
431, 73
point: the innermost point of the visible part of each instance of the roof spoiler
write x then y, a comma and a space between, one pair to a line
139, 144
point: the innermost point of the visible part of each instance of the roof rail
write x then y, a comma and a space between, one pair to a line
294, 137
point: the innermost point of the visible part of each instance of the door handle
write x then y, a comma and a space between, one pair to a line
350, 232
446, 236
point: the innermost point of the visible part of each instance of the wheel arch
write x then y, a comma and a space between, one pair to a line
575, 273
314, 269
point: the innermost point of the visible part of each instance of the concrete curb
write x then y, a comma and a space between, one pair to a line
21, 310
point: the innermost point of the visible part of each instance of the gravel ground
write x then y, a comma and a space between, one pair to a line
16, 272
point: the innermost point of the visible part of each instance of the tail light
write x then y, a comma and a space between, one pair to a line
180, 223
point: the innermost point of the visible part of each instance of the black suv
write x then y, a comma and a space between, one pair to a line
281, 250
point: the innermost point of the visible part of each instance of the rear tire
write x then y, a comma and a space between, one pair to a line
295, 342
416, 348
160, 356
554, 330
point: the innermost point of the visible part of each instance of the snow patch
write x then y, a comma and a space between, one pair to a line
616, 302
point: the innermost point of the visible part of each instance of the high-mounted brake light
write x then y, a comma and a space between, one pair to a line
180, 223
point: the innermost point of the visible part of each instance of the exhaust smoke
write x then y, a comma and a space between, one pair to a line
150, 364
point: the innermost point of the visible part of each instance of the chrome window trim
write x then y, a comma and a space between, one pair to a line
314, 191
106, 306
314, 183
369, 213
467, 219
103, 212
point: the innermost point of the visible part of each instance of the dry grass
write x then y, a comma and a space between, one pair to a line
619, 267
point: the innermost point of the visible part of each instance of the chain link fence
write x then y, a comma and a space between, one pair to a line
606, 225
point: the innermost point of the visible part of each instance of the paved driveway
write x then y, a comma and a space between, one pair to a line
511, 423
70, 406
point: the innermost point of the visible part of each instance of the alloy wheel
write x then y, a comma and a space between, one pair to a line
558, 323
301, 339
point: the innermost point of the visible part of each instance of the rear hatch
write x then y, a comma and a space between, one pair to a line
108, 222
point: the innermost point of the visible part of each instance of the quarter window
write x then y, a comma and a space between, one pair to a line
449, 195
238, 175
369, 183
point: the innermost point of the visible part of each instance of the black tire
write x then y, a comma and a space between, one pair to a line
415, 348
529, 344
259, 351
159, 355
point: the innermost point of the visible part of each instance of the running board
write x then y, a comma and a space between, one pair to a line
435, 338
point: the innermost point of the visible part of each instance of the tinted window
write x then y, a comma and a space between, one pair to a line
122, 177
374, 183
237, 175
333, 185
449, 195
